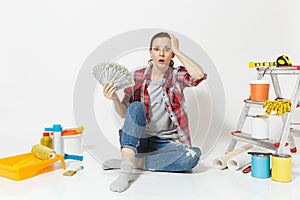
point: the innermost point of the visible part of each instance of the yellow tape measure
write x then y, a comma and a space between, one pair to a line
281, 61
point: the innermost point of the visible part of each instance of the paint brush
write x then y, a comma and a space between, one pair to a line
72, 172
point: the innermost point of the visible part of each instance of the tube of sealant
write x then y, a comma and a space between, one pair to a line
58, 144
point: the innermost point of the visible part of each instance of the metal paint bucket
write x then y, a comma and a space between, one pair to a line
260, 164
281, 167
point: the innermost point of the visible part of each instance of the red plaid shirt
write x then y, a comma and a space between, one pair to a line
176, 79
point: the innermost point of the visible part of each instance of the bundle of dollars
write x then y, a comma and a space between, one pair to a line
114, 73
279, 106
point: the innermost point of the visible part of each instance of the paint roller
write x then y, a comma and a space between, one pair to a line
43, 152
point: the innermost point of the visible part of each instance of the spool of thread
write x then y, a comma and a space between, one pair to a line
260, 164
281, 167
43, 152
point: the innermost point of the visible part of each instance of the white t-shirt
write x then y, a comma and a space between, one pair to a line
160, 124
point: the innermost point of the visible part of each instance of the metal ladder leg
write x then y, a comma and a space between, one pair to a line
239, 127
241, 120
278, 94
286, 128
292, 143
276, 85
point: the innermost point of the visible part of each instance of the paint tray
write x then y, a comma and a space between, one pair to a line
27, 165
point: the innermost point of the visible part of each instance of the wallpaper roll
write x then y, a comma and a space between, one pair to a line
43, 152
239, 161
221, 162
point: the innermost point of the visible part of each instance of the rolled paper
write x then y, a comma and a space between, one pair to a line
221, 162
43, 152
239, 161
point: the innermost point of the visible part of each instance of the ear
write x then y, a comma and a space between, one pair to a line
150, 52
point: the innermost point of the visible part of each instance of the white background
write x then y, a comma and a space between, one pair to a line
43, 45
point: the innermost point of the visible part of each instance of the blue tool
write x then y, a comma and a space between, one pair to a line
73, 157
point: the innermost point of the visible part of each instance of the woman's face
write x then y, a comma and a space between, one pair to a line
161, 52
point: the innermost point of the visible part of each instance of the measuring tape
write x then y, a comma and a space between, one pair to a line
281, 61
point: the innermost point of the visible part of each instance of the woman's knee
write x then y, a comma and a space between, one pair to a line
193, 156
136, 112
136, 106
196, 150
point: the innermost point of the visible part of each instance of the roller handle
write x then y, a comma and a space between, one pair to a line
73, 157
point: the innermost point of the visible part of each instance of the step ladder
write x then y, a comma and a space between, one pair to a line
286, 138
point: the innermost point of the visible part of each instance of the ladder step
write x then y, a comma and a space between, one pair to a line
280, 70
251, 103
245, 137
259, 104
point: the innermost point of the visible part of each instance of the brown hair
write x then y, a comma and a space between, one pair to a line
159, 35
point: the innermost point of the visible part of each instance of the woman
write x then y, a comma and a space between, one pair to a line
155, 135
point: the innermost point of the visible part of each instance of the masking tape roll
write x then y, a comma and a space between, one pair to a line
43, 152
282, 168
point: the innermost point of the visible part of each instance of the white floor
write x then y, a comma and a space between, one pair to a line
206, 182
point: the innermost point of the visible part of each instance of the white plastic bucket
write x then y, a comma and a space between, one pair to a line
260, 127
72, 144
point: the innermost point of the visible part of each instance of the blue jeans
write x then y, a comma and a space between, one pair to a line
159, 154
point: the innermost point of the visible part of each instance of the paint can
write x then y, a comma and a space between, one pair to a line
260, 164
259, 90
282, 167
260, 127
72, 144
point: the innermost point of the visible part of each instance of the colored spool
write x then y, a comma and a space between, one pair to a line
260, 165
43, 152
281, 168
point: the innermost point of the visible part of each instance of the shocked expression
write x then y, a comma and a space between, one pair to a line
161, 52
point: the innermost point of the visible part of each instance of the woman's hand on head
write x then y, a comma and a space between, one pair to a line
174, 43
109, 91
